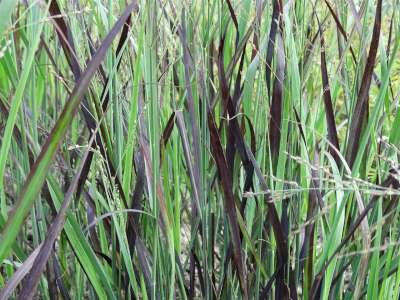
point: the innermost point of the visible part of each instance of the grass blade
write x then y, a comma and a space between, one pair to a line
361, 107
230, 205
277, 100
330, 116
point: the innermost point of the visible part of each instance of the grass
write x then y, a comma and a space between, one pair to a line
199, 149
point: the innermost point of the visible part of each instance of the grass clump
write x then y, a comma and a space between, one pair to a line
199, 149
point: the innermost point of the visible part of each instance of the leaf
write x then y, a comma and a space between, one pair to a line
230, 206
276, 10
194, 126
330, 115
19, 274
362, 103
235, 137
187, 62
185, 143
340, 28
234, 19
277, 100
